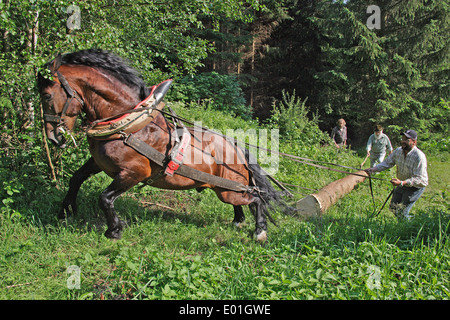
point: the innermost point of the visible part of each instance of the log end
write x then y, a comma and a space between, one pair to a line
309, 206
317, 203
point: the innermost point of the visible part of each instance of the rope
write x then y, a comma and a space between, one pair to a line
303, 160
373, 215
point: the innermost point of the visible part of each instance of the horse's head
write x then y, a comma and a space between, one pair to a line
60, 102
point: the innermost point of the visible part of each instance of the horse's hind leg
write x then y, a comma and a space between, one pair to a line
121, 183
239, 216
256, 205
258, 208
69, 205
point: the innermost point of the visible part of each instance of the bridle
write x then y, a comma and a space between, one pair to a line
71, 94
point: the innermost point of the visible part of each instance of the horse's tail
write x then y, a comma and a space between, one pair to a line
265, 191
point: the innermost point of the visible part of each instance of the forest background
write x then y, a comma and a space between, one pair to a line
296, 66
388, 67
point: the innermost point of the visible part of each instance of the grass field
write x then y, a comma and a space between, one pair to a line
182, 245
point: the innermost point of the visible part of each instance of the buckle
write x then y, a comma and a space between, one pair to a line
172, 166
177, 155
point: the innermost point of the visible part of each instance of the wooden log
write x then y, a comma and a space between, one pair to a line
317, 203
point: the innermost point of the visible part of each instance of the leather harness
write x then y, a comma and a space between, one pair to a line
182, 170
71, 94
123, 126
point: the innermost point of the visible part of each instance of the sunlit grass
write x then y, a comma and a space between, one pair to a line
182, 244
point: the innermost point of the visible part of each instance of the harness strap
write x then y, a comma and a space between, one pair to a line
183, 170
371, 192
71, 94
52, 118
177, 154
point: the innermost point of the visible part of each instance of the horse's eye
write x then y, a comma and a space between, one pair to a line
47, 96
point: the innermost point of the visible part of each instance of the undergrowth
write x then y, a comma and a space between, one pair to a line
182, 244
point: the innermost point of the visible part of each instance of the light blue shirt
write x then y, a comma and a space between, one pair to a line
380, 145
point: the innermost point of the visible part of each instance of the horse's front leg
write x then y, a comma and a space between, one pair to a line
239, 216
259, 210
121, 183
69, 205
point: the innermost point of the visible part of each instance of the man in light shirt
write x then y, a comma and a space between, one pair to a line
412, 176
377, 145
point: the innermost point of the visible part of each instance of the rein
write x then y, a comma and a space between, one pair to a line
306, 161
302, 160
72, 94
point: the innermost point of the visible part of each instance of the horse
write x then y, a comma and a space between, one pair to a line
102, 85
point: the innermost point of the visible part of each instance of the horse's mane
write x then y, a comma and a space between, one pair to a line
112, 64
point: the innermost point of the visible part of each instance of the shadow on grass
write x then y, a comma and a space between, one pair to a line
39, 202
40, 206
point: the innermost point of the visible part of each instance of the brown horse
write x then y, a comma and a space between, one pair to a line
101, 85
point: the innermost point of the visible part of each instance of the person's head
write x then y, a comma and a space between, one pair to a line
341, 123
409, 140
378, 130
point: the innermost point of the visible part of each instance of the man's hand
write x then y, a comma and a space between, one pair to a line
396, 182
369, 171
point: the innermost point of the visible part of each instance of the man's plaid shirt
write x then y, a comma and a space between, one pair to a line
412, 169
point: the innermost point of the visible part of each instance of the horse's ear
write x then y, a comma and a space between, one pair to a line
56, 63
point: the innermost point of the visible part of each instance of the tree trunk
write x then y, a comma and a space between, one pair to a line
317, 203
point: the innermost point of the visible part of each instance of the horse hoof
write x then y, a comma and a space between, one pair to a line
62, 215
261, 237
116, 232
238, 225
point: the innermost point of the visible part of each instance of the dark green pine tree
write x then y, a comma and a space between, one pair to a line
393, 75
419, 32
285, 53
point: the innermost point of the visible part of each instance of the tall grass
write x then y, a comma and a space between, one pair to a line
182, 244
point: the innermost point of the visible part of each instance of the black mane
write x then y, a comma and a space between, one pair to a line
110, 63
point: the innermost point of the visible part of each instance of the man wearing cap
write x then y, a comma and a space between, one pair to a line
412, 176
377, 145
